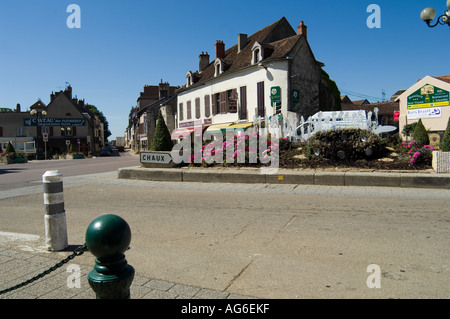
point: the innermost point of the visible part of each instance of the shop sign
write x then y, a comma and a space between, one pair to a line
424, 113
54, 122
428, 96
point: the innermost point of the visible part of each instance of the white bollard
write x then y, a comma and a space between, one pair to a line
55, 215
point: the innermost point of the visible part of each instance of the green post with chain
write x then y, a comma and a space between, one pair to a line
107, 238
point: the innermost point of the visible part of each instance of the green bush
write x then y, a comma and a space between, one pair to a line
445, 144
345, 144
162, 140
420, 134
10, 149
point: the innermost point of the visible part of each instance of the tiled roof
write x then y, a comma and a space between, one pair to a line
279, 38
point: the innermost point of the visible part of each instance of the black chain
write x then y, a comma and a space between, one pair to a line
77, 252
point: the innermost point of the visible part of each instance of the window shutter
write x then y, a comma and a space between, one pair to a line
232, 105
207, 106
39, 131
189, 111
243, 109
51, 131
74, 130
1, 131
197, 108
223, 102
260, 101
181, 118
214, 104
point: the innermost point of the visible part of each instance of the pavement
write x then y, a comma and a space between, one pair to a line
22, 255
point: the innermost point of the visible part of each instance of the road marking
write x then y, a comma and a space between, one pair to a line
6, 237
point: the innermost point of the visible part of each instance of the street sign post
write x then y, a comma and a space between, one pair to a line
155, 158
45, 138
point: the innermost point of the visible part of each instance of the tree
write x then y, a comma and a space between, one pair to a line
445, 144
93, 109
10, 148
162, 140
420, 134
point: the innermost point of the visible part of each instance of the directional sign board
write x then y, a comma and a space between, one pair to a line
155, 158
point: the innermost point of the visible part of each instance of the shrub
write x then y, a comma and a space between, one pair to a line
420, 134
10, 149
344, 144
162, 140
419, 153
445, 144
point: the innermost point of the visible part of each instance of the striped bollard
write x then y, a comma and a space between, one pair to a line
55, 215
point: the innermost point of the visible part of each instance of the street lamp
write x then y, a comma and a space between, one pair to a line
39, 114
428, 15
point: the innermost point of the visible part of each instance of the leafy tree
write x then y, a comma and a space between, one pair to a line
162, 140
93, 109
445, 144
420, 134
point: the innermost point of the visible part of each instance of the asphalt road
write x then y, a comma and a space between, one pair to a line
14, 176
267, 241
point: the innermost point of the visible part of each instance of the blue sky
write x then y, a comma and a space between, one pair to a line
124, 45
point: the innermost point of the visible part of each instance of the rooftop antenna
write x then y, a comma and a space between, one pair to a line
383, 94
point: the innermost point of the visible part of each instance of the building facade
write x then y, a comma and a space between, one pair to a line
272, 72
62, 125
429, 100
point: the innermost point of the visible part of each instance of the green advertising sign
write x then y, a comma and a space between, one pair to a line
428, 96
275, 94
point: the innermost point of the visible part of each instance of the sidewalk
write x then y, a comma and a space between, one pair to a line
328, 177
19, 266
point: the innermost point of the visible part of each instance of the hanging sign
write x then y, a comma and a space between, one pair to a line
275, 94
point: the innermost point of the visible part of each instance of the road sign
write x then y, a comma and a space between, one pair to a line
155, 158
45, 137
78, 141
67, 142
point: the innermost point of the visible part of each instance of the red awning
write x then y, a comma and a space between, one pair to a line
185, 131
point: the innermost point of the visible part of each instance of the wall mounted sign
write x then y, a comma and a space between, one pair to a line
424, 113
53, 122
428, 96
275, 94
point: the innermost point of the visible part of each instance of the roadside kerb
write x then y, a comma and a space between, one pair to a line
309, 177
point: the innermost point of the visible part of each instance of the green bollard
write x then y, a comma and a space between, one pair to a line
107, 238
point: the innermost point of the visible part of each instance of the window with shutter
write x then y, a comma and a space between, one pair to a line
260, 98
207, 106
223, 102
197, 108
180, 112
243, 102
189, 111
232, 101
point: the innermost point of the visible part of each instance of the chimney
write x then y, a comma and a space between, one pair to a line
220, 49
18, 108
301, 29
203, 61
242, 41
52, 97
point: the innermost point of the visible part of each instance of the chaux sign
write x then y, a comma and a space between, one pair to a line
428, 96
155, 158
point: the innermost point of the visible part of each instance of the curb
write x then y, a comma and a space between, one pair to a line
257, 176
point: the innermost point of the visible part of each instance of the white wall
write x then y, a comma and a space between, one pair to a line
275, 75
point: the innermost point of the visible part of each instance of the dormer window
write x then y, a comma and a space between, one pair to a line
257, 53
189, 79
218, 67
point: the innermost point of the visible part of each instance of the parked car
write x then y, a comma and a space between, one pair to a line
105, 152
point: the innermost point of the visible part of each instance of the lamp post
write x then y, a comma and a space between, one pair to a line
428, 15
39, 114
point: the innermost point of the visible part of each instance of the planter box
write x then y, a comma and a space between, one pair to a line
20, 159
78, 156
441, 162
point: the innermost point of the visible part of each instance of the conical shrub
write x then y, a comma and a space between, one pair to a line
420, 134
445, 144
161, 140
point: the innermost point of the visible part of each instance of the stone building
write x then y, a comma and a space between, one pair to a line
272, 71
143, 119
55, 128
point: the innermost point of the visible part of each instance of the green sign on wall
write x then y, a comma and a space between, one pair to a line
296, 99
275, 94
428, 96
